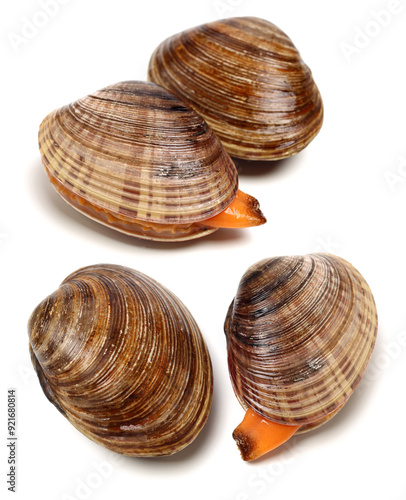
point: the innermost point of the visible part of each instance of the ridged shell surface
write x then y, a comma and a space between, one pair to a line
248, 81
136, 158
123, 359
300, 333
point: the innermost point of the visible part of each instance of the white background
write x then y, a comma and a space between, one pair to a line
345, 194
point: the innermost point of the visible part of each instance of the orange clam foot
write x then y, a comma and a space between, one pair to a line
256, 435
242, 212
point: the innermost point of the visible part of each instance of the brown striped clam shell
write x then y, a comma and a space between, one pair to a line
123, 360
300, 332
134, 157
248, 81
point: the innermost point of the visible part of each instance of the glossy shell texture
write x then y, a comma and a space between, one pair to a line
248, 81
123, 359
300, 333
134, 157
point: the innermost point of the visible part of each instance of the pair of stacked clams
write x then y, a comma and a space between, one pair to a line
152, 159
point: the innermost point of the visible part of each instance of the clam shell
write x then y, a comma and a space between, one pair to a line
248, 81
134, 157
300, 333
123, 359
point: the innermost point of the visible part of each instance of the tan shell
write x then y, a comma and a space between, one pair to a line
135, 158
248, 81
123, 359
300, 333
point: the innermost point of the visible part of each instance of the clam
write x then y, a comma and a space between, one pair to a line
246, 78
122, 358
134, 157
300, 332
